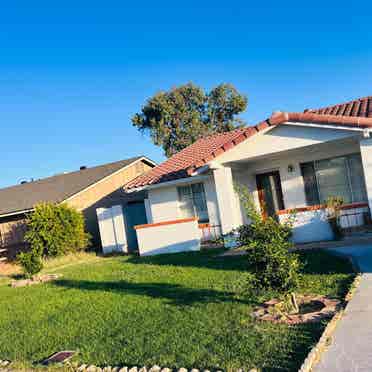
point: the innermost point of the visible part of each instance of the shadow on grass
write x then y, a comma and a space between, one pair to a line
320, 262
174, 293
210, 259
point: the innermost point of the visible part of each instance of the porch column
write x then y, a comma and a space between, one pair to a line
148, 210
366, 154
226, 198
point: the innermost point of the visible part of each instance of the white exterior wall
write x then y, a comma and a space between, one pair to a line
292, 182
212, 204
366, 153
228, 203
168, 238
163, 202
280, 139
275, 149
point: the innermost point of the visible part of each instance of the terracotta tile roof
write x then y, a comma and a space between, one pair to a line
361, 107
309, 117
185, 162
354, 114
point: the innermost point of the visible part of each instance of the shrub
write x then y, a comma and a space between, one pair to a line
31, 262
273, 265
268, 242
54, 230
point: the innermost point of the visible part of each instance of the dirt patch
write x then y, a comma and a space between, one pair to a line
8, 269
36, 279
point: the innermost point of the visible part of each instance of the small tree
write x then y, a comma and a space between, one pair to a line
268, 243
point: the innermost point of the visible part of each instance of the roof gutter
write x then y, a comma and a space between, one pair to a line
16, 213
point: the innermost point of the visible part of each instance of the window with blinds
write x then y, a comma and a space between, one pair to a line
192, 202
341, 176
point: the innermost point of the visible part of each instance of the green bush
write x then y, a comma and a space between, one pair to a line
55, 230
31, 262
268, 243
273, 265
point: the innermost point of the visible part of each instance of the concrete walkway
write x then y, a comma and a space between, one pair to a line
351, 346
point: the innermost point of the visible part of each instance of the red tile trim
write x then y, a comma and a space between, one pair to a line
321, 206
193, 161
172, 222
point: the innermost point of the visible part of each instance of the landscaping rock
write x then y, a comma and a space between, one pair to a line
270, 310
124, 369
182, 370
154, 368
133, 369
143, 369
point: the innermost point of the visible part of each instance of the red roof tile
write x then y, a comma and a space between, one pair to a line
184, 163
356, 113
361, 107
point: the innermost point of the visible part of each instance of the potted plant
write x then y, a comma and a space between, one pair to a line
333, 205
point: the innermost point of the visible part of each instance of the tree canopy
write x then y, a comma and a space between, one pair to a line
177, 118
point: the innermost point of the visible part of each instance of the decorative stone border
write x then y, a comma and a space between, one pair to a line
5, 366
155, 368
315, 353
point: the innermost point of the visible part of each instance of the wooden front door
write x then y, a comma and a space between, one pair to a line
270, 193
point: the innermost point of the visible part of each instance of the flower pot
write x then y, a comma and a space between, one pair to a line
336, 228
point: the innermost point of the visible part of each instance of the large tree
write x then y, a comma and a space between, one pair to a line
177, 118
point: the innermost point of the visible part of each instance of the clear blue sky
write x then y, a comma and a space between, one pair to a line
73, 73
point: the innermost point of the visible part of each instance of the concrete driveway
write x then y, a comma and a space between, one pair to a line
351, 347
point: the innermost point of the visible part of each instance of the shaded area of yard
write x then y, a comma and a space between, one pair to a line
182, 310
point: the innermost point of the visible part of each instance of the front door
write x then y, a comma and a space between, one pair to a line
270, 193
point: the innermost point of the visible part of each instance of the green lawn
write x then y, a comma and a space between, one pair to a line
182, 310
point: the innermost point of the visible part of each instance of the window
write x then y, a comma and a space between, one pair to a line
341, 176
192, 202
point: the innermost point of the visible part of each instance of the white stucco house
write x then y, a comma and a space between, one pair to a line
291, 161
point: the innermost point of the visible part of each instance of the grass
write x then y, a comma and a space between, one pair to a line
181, 310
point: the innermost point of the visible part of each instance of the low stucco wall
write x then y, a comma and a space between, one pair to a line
312, 225
168, 237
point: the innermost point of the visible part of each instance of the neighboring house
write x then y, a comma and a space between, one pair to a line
289, 161
86, 189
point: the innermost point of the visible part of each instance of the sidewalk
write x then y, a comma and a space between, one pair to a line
351, 344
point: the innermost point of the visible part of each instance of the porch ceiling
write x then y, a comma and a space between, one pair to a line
311, 152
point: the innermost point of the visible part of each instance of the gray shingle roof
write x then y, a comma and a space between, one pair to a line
56, 188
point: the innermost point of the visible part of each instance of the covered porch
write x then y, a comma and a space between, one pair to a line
289, 171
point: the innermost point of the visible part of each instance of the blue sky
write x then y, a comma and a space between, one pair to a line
73, 73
